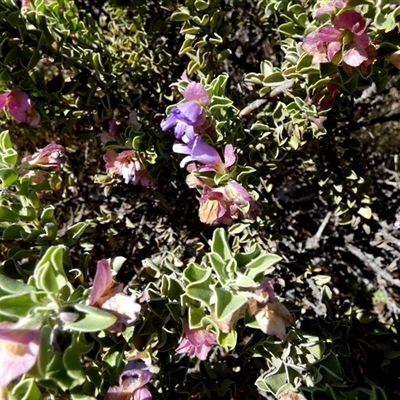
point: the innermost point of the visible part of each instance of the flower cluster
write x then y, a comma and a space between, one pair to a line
19, 106
218, 204
345, 42
108, 296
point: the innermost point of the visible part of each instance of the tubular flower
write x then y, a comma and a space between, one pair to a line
196, 342
108, 296
132, 383
19, 106
19, 349
347, 35
128, 166
205, 154
224, 204
189, 115
53, 155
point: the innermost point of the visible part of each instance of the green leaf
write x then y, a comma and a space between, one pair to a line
227, 303
91, 319
72, 362
12, 232
243, 259
10, 285
10, 157
201, 5
274, 79
262, 264
7, 215
227, 340
201, 291
26, 390
76, 231
47, 215
219, 266
35, 58
8, 176
273, 380
365, 212
180, 16
17, 305
49, 272
196, 273
5, 141
196, 316
220, 244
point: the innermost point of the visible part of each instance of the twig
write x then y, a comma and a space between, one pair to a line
312, 243
368, 260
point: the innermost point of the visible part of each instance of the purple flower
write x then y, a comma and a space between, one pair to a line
18, 105
196, 342
19, 349
224, 204
347, 32
53, 155
189, 115
128, 166
205, 154
108, 296
132, 383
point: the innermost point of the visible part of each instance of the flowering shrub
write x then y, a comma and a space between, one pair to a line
154, 157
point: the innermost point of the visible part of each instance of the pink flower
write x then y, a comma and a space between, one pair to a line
108, 296
196, 342
18, 105
132, 383
50, 156
347, 33
128, 166
19, 348
330, 7
224, 204
273, 319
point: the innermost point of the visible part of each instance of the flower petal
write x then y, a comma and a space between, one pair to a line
196, 92
205, 153
355, 57
101, 282
351, 20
